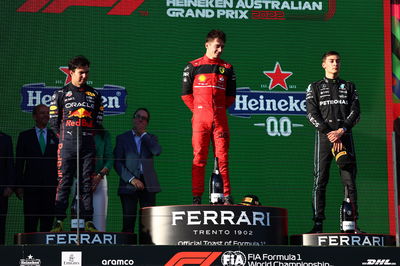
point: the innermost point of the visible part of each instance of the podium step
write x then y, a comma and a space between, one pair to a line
71, 238
343, 239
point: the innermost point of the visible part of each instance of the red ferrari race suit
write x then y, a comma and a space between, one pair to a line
208, 89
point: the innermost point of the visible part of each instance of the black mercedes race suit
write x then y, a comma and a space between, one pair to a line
332, 104
74, 114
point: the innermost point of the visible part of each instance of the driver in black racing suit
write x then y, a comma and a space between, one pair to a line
75, 112
334, 109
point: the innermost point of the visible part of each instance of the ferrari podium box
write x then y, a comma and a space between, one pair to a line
218, 225
343, 239
71, 238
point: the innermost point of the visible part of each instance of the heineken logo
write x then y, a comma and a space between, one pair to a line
250, 103
113, 96
276, 103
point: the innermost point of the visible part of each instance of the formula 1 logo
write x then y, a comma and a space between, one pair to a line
119, 7
286, 103
193, 258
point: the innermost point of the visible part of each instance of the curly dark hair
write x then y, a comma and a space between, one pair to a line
78, 61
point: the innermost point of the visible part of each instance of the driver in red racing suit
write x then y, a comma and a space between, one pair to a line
208, 89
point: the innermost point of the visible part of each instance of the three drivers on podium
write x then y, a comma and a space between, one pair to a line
209, 88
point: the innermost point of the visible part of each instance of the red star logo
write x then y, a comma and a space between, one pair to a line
278, 77
65, 70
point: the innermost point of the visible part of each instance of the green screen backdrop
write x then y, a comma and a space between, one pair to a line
140, 47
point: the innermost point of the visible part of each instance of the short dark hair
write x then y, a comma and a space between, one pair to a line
144, 109
213, 34
329, 53
78, 61
37, 107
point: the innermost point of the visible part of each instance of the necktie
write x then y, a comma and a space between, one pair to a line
138, 144
42, 141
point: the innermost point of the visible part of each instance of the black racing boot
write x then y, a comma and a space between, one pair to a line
196, 200
317, 228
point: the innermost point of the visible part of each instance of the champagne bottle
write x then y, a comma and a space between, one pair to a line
216, 185
347, 215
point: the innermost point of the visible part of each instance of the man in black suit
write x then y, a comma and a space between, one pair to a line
133, 161
36, 165
7, 180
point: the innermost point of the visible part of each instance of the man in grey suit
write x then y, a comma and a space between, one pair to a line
133, 161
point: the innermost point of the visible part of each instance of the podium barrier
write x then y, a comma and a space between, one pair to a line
89, 255
213, 225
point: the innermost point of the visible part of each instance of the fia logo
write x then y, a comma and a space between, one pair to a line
233, 258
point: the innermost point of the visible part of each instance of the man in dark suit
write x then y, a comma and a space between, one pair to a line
7, 180
36, 165
134, 164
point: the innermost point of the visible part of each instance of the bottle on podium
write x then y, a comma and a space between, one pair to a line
347, 214
216, 185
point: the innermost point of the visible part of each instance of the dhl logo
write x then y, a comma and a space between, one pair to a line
80, 113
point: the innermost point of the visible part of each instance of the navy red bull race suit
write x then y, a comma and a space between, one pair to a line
74, 114
208, 89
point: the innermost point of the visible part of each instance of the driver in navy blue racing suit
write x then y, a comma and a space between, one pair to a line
75, 112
